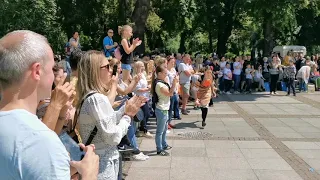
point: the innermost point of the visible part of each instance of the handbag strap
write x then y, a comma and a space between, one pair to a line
78, 111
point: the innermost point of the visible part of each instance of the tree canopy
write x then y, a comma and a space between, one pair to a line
223, 26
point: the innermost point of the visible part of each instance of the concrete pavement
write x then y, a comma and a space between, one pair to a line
247, 137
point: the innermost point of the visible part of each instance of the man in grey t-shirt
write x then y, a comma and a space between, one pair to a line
185, 70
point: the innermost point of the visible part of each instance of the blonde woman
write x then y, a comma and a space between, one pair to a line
126, 50
143, 89
97, 119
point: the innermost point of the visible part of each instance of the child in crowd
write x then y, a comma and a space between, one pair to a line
290, 73
227, 75
249, 72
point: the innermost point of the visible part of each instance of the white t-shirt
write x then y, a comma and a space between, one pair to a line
29, 149
225, 73
235, 70
223, 64
143, 83
171, 75
184, 79
164, 101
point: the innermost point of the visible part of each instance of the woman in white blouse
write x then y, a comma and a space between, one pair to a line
143, 89
95, 75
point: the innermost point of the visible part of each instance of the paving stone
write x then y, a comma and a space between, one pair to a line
287, 135
189, 143
188, 152
259, 153
220, 144
253, 145
314, 163
277, 175
190, 163
234, 174
153, 162
190, 174
224, 152
268, 163
301, 145
308, 153
229, 163
148, 173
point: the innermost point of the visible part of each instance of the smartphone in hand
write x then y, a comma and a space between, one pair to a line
115, 70
76, 153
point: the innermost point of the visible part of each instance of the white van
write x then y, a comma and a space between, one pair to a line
283, 50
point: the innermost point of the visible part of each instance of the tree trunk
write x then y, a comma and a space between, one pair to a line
182, 48
268, 33
225, 26
139, 17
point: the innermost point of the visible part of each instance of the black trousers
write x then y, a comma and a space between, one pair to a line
273, 83
227, 85
291, 85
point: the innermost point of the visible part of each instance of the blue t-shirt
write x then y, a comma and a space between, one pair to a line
29, 149
107, 41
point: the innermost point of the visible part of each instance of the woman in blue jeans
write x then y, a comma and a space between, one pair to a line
174, 100
162, 93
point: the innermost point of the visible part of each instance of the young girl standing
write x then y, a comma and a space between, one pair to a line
126, 50
206, 91
162, 93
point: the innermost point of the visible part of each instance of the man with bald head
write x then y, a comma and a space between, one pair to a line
29, 149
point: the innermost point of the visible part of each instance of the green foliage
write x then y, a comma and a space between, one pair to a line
197, 25
154, 22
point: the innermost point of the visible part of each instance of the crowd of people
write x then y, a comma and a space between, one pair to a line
103, 100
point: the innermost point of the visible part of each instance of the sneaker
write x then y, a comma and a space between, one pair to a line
139, 157
236, 92
125, 148
163, 153
275, 93
167, 147
178, 118
228, 93
169, 127
146, 156
148, 135
204, 124
168, 131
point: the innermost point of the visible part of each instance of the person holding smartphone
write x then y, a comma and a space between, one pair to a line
40, 153
97, 113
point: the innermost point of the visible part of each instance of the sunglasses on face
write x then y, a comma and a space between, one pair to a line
110, 32
105, 67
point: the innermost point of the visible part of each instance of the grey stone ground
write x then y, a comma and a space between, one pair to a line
247, 137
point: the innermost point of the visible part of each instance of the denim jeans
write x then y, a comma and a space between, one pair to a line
146, 113
221, 84
162, 126
174, 106
302, 85
132, 135
237, 79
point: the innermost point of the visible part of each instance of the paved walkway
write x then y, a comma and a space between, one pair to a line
247, 137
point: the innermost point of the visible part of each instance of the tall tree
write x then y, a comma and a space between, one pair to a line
139, 17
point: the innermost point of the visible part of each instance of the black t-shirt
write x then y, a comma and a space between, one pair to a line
126, 58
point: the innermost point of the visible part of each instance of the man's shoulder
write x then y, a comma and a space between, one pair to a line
35, 151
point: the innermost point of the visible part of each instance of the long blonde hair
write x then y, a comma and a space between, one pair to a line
137, 66
121, 29
89, 79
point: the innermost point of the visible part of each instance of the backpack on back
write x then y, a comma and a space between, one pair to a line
117, 53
